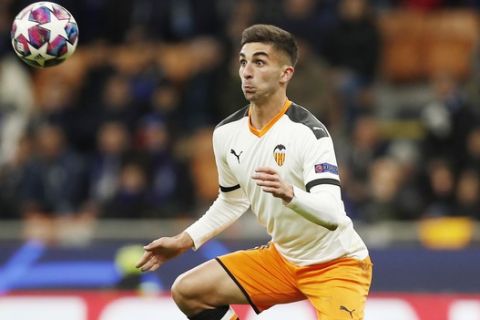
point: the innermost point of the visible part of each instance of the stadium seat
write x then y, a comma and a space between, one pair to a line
401, 37
450, 39
418, 45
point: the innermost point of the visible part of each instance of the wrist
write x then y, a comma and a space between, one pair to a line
184, 241
289, 195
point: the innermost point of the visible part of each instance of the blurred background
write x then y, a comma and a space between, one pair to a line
112, 149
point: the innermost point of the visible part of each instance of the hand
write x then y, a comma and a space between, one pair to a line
270, 181
163, 249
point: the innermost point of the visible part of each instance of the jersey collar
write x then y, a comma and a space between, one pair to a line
262, 131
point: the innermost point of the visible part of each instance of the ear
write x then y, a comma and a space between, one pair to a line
287, 74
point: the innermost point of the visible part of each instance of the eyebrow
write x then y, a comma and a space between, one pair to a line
256, 54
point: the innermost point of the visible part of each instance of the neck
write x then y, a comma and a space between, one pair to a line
261, 112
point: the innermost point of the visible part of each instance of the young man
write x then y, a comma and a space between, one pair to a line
278, 159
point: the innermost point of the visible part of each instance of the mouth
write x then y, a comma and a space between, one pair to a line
248, 89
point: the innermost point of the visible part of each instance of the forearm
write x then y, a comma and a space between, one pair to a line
184, 241
323, 207
223, 212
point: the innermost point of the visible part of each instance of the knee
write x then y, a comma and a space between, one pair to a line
183, 290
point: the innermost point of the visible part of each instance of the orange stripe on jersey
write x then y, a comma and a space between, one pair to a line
279, 158
270, 124
234, 317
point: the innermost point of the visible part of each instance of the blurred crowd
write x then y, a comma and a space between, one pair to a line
123, 129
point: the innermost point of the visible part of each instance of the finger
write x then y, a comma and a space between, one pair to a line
269, 190
267, 170
156, 266
273, 191
264, 176
152, 245
265, 185
150, 264
146, 256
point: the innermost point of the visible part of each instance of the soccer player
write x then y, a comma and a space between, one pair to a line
275, 157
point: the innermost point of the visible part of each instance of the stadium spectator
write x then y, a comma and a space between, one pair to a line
117, 102
16, 104
448, 119
55, 189
384, 185
440, 188
472, 142
130, 199
311, 87
174, 60
309, 20
55, 183
165, 103
12, 179
169, 187
198, 106
113, 146
352, 48
353, 45
409, 198
356, 159
467, 195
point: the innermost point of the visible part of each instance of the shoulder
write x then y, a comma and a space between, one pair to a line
223, 131
234, 117
299, 114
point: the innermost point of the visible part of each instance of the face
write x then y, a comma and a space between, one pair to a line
263, 71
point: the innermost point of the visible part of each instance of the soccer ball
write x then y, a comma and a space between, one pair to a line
44, 34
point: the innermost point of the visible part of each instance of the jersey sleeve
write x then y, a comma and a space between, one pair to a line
321, 202
226, 180
319, 163
227, 208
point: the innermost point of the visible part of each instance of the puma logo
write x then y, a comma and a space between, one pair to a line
343, 308
236, 155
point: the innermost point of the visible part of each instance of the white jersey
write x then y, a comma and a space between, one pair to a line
300, 149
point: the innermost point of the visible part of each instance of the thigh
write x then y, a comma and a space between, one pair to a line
209, 285
338, 290
263, 276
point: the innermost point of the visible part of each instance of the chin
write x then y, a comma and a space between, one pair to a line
251, 97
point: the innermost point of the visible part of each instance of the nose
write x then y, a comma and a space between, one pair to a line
247, 72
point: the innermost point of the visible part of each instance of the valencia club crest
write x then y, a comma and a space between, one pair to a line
279, 154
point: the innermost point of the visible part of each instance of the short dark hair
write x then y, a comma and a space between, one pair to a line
280, 39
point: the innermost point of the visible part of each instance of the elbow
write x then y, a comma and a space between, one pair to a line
332, 227
337, 220
329, 225
334, 223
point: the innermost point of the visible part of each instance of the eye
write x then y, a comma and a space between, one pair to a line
243, 62
259, 63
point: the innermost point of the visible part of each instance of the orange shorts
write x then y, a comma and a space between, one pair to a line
337, 289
